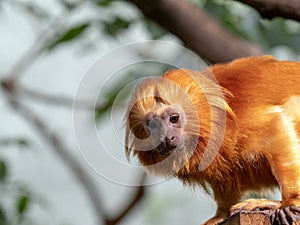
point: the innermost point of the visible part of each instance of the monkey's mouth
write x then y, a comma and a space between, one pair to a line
164, 149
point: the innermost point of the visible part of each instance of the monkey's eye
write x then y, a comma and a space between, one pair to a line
174, 118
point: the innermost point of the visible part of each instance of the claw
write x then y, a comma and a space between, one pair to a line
283, 215
263, 205
288, 215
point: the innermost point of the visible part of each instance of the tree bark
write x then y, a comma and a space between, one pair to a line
256, 218
289, 9
197, 29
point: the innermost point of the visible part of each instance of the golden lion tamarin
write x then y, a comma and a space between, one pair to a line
236, 133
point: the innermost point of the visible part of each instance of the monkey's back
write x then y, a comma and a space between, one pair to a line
260, 88
257, 81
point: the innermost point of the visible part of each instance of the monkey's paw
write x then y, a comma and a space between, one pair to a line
283, 215
262, 205
265, 206
287, 215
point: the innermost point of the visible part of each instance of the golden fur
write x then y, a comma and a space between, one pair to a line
260, 133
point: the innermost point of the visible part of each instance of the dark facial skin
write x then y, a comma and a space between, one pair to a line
165, 129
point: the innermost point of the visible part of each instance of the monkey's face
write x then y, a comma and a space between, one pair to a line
176, 122
160, 140
162, 126
164, 130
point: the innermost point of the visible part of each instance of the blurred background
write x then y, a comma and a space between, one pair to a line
46, 47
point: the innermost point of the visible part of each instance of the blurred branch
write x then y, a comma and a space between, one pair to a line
60, 100
17, 141
69, 160
276, 8
26, 60
61, 151
197, 29
54, 99
39, 45
138, 194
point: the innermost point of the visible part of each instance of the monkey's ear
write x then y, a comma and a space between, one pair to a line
135, 130
128, 135
128, 142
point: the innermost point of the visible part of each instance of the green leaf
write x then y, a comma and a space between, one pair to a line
3, 171
2, 216
103, 3
69, 5
22, 204
111, 96
230, 19
18, 141
23, 142
100, 111
116, 25
155, 30
69, 35
110, 99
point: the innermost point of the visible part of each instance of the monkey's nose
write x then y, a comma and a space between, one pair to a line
171, 141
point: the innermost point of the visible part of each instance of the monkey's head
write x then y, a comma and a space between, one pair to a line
167, 122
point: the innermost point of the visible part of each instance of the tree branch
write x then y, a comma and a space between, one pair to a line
248, 218
276, 8
14, 141
79, 172
54, 99
59, 149
59, 100
138, 194
39, 45
197, 29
